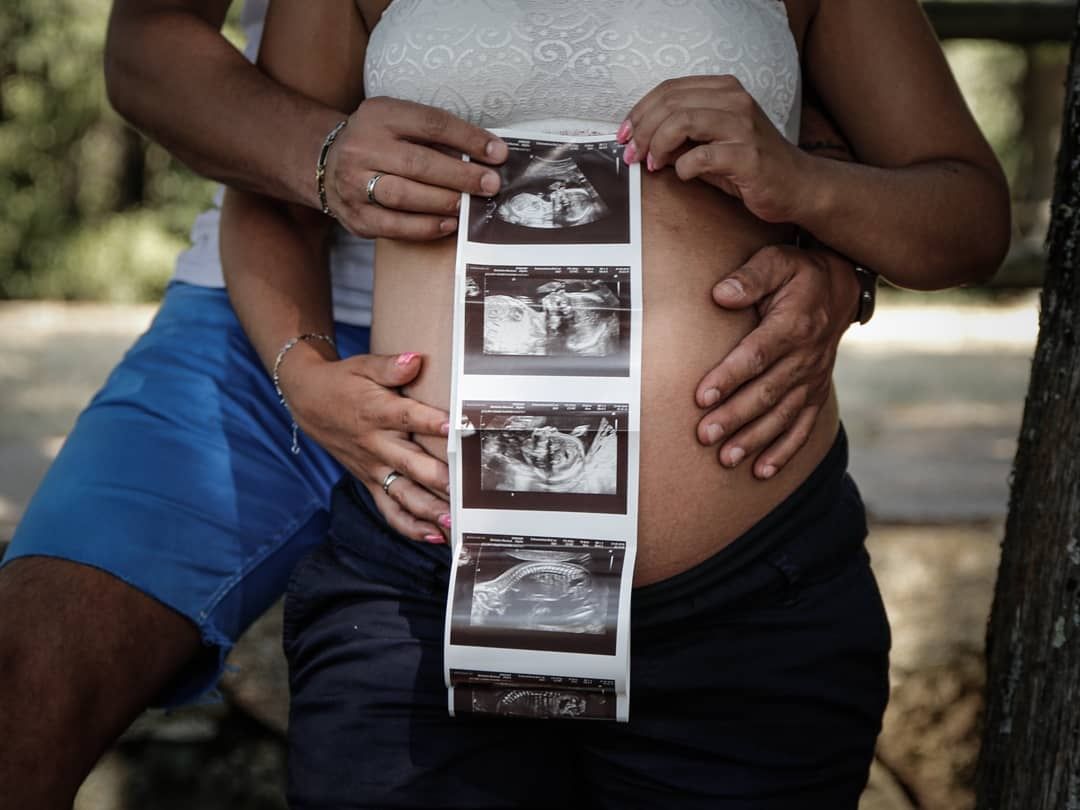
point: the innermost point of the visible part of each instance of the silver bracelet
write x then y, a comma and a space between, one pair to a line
320, 166
290, 343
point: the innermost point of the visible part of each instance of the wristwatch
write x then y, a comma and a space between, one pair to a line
867, 294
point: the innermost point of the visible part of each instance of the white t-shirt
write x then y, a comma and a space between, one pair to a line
350, 256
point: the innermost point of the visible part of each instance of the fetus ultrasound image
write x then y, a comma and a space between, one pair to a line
538, 704
568, 457
533, 696
556, 194
537, 593
547, 320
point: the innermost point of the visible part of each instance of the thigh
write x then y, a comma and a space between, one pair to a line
774, 705
177, 480
369, 725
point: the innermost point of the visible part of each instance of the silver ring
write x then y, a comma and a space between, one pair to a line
371, 189
391, 477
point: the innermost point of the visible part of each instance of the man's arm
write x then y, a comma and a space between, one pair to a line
769, 390
170, 72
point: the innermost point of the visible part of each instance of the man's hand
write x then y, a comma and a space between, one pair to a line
416, 148
772, 385
349, 407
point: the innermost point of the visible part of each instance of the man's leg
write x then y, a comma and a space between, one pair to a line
81, 655
177, 480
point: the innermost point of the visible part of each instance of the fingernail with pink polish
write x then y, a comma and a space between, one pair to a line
624, 131
444, 429
710, 397
405, 359
713, 433
737, 455
434, 538
650, 164
444, 521
630, 154
768, 471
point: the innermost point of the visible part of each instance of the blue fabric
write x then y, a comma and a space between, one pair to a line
758, 678
178, 479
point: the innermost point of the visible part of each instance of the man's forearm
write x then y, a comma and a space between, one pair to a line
171, 73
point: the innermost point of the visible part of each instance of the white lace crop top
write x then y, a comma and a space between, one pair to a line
577, 65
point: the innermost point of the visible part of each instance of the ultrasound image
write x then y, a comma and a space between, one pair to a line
556, 193
529, 454
532, 593
547, 320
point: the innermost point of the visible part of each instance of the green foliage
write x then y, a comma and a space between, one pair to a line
87, 208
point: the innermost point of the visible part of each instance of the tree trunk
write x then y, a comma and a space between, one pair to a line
1030, 758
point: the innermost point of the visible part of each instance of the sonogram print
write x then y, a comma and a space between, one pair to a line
537, 593
561, 456
533, 696
556, 193
547, 320
539, 704
544, 454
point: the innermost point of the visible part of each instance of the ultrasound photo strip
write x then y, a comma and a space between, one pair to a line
544, 440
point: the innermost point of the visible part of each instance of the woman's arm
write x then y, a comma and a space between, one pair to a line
927, 206
274, 258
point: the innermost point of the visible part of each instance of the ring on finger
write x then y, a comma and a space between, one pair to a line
390, 478
375, 178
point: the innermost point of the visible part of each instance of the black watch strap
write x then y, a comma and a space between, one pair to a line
867, 294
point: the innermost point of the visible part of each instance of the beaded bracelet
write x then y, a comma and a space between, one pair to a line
320, 165
289, 344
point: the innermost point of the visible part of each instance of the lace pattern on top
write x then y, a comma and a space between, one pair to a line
506, 62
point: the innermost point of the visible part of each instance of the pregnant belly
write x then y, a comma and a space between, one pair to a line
689, 506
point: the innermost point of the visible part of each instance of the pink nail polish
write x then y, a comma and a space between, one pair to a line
736, 456
444, 429
405, 359
444, 521
630, 154
624, 131
650, 164
434, 538
768, 471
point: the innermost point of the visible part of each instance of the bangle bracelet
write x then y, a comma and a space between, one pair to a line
320, 165
275, 376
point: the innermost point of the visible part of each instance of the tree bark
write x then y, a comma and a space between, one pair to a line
1030, 757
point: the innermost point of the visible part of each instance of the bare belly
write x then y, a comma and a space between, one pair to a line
693, 236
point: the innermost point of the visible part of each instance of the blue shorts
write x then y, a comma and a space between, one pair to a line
178, 479
758, 678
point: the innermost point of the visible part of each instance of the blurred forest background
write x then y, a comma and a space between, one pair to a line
92, 211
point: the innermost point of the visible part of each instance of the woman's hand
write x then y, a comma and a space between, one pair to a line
416, 148
349, 407
711, 128
772, 385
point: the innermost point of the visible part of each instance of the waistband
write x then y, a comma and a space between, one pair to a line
819, 523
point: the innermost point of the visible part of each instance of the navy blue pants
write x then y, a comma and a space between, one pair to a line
758, 678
